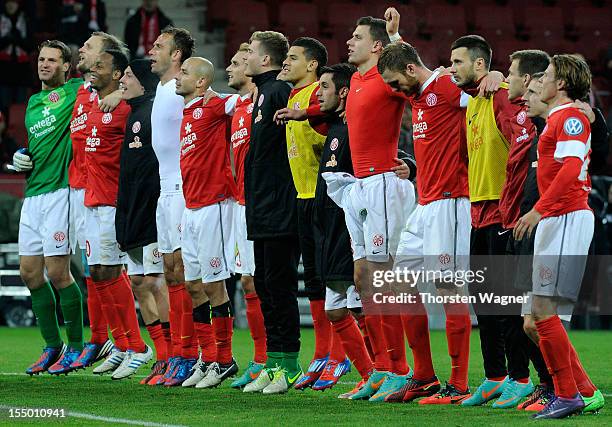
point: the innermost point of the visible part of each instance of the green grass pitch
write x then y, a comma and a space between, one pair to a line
88, 395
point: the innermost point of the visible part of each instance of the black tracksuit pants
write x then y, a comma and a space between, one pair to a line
315, 289
276, 284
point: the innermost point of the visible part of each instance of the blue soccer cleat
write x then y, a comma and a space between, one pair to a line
91, 354
331, 374
62, 366
486, 391
312, 375
49, 356
183, 372
560, 407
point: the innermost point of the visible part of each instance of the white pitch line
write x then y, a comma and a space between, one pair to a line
114, 420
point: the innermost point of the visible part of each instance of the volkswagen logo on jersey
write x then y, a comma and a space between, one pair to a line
431, 99
197, 113
573, 126
107, 118
334, 144
53, 97
521, 117
136, 127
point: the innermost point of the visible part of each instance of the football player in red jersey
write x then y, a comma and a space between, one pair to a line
377, 203
564, 233
441, 222
209, 188
99, 345
102, 149
245, 261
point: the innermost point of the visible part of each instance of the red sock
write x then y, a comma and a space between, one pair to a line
523, 380
337, 351
167, 338
416, 328
97, 321
124, 298
583, 382
223, 328
555, 347
189, 340
353, 344
394, 338
157, 336
206, 338
458, 330
361, 323
106, 290
322, 329
256, 326
382, 362
175, 314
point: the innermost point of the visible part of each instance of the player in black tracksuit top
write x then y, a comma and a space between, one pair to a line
271, 215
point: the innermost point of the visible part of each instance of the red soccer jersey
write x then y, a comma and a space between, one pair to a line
205, 161
523, 132
105, 132
241, 135
77, 171
567, 134
373, 115
440, 148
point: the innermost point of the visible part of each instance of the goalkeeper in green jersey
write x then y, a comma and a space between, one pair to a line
43, 226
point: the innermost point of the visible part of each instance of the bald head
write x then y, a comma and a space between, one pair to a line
195, 77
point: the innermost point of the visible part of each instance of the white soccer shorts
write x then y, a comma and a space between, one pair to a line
77, 218
564, 309
376, 209
560, 254
436, 237
101, 246
145, 260
169, 213
44, 224
336, 300
244, 256
207, 246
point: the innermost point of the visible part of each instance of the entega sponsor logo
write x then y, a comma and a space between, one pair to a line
47, 121
78, 123
188, 139
239, 134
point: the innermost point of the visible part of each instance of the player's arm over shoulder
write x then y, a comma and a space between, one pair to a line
451, 92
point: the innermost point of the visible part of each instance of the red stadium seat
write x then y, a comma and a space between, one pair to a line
540, 21
342, 17
335, 52
502, 50
16, 123
431, 53
247, 15
593, 22
494, 20
409, 21
298, 19
445, 20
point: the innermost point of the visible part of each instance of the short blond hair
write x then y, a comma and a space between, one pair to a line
274, 44
244, 47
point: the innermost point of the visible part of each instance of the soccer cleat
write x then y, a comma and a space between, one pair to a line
282, 382
594, 403
197, 373
540, 396
262, 381
315, 369
414, 389
560, 407
513, 393
355, 389
448, 395
173, 363
249, 375
49, 356
486, 391
331, 374
183, 372
112, 362
132, 362
392, 384
217, 373
372, 385
91, 354
62, 366
157, 369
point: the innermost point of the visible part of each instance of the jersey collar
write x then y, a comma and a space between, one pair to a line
559, 108
428, 81
193, 101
